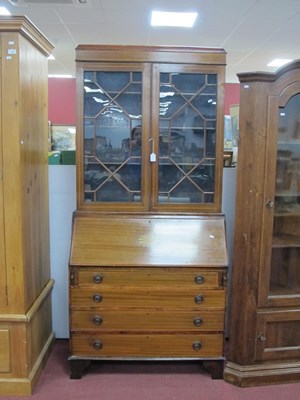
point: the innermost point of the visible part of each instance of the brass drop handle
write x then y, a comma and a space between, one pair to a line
270, 204
199, 299
197, 321
197, 346
97, 345
98, 278
199, 279
97, 320
97, 298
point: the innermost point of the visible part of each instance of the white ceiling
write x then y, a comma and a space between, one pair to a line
253, 32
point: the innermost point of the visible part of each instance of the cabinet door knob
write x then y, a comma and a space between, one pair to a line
270, 204
197, 321
199, 279
197, 346
261, 337
199, 299
98, 278
97, 345
97, 320
97, 298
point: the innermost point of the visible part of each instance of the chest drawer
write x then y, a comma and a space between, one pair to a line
147, 320
147, 346
194, 298
169, 277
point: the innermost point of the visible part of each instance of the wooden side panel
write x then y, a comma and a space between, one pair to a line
34, 169
13, 333
25, 172
3, 283
39, 331
249, 210
25, 343
11, 173
4, 351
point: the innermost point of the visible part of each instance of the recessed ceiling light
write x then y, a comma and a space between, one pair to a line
4, 11
60, 76
51, 57
181, 19
279, 62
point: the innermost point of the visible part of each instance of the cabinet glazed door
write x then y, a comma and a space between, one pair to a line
116, 114
281, 253
186, 133
150, 137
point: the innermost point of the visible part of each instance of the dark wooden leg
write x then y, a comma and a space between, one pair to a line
77, 367
215, 367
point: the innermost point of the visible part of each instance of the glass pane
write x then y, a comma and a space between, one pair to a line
285, 267
112, 136
187, 139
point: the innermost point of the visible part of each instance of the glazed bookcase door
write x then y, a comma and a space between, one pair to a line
112, 139
187, 123
282, 211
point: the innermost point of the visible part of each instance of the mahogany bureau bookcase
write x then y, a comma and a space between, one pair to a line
148, 257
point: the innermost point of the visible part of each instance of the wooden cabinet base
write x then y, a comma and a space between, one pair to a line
79, 365
259, 375
25, 344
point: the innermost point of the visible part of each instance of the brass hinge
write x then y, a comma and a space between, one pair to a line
72, 277
224, 279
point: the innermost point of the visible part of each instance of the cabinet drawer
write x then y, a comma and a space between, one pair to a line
194, 298
147, 276
143, 346
147, 320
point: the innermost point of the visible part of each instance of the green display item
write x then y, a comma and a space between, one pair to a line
54, 158
68, 157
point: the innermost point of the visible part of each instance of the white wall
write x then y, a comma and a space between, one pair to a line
62, 200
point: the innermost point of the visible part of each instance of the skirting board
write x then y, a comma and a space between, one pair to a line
263, 374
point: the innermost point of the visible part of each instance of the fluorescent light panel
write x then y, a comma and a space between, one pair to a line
180, 19
60, 76
279, 62
4, 11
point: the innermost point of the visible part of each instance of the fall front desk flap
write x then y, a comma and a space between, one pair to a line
116, 240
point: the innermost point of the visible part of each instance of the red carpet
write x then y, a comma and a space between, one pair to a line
143, 381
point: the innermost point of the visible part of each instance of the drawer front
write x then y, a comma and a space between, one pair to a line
147, 346
147, 276
194, 298
147, 321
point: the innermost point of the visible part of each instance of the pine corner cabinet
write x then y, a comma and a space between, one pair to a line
26, 335
265, 316
148, 256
